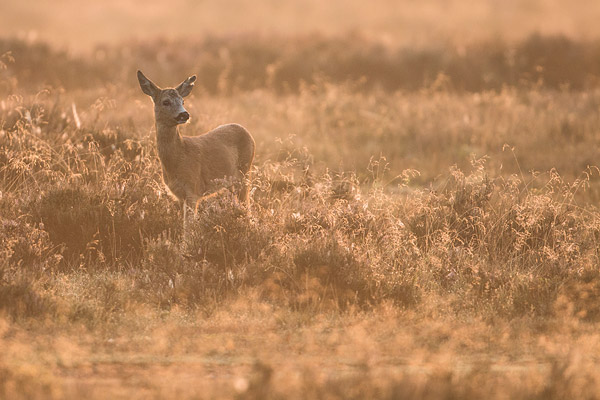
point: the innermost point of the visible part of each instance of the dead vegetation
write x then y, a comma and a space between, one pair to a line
351, 275
227, 65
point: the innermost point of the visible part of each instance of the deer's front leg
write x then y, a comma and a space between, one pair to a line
187, 206
185, 222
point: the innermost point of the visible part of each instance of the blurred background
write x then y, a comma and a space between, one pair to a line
242, 44
79, 25
426, 84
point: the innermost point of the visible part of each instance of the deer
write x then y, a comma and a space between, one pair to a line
194, 166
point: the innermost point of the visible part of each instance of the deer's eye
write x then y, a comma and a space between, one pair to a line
166, 103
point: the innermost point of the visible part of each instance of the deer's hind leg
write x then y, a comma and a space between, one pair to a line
246, 147
244, 187
244, 175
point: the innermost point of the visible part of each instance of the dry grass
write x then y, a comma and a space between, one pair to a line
230, 64
423, 222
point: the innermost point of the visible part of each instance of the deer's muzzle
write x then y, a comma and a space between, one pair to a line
182, 117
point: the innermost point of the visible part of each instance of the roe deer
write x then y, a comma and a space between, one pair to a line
192, 165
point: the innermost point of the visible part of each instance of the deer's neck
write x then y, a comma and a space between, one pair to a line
169, 144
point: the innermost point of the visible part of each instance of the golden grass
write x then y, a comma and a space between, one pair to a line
424, 241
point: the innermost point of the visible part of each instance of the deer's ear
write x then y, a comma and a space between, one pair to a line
147, 85
186, 86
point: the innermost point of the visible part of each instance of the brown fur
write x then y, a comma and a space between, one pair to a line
193, 165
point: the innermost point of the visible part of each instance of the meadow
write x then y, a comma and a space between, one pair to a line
423, 220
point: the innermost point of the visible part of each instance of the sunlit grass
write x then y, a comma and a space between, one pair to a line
428, 242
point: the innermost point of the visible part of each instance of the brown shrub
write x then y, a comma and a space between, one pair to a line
237, 63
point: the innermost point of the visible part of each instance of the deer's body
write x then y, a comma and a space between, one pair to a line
193, 165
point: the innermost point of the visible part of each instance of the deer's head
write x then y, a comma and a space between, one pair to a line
168, 103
